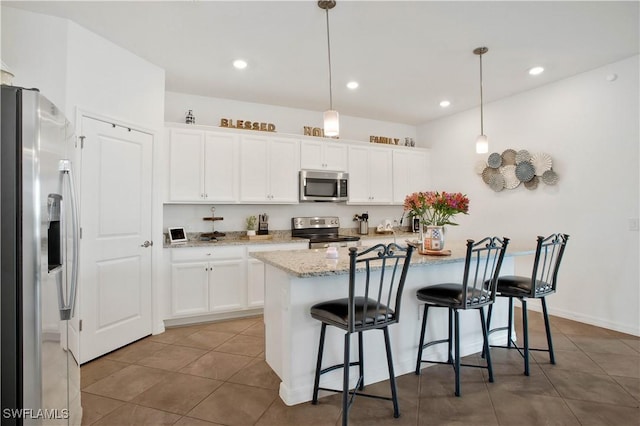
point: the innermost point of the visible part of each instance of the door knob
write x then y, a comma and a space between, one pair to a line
147, 244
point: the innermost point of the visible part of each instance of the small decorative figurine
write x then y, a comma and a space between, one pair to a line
190, 118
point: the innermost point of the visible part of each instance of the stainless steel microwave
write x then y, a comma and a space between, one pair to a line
323, 186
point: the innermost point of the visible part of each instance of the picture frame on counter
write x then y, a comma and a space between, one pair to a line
177, 235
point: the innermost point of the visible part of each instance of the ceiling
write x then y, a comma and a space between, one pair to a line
406, 55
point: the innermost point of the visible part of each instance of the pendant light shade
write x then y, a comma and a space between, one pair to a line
482, 142
331, 118
331, 123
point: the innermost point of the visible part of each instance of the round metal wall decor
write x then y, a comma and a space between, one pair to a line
511, 168
495, 160
508, 157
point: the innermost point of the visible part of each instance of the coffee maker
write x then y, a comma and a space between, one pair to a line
263, 224
415, 224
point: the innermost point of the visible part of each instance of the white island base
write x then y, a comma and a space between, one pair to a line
296, 280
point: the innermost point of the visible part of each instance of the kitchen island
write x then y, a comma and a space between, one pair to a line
295, 280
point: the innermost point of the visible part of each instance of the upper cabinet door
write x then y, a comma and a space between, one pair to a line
359, 175
186, 175
370, 175
323, 155
220, 169
284, 157
380, 176
312, 155
335, 156
254, 169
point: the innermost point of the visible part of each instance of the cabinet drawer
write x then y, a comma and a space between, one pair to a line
189, 254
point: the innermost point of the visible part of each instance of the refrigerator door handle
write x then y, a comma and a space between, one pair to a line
67, 310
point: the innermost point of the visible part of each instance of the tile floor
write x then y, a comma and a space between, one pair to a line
215, 374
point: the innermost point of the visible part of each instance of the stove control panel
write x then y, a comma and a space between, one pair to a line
315, 222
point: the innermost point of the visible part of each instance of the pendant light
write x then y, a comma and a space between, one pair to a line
331, 119
482, 143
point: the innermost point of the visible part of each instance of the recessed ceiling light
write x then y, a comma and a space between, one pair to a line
445, 104
536, 70
352, 85
240, 64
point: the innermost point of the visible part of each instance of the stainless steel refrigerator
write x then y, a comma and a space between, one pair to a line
39, 237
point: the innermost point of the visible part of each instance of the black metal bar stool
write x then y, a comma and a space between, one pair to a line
539, 285
478, 289
374, 305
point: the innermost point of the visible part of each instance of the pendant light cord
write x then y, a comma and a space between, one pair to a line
481, 100
329, 52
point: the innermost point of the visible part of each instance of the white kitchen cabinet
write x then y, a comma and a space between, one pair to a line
269, 170
323, 155
410, 173
203, 166
207, 280
189, 288
370, 175
227, 285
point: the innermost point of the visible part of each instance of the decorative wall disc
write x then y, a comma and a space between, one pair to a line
509, 174
550, 177
480, 166
522, 156
495, 160
541, 162
496, 182
511, 168
487, 173
525, 172
533, 183
508, 157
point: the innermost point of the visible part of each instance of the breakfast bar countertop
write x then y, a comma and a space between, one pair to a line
314, 263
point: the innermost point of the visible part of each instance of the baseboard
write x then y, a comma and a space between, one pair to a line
212, 317
587, 319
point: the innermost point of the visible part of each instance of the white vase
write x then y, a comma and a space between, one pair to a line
251, 232
434, 238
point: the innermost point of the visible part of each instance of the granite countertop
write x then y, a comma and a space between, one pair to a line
236, 239
278, 237
314, 263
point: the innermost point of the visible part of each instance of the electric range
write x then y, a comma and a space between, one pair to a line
322, 231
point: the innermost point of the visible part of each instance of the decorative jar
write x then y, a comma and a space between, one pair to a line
434, 238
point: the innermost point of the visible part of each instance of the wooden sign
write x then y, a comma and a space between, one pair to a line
383, 139
248, 125
313, 131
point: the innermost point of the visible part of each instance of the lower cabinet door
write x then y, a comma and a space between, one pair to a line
227, 285
255, 281
189, 288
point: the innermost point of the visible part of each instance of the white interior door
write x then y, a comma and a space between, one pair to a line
115, 257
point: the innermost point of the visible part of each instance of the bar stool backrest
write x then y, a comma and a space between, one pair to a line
392, 262
549, 252
481, 269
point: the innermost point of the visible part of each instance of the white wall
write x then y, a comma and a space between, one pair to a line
104, 78
590, 127
209, 111
34, 47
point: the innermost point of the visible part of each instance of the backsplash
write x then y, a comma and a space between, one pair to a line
190, 216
